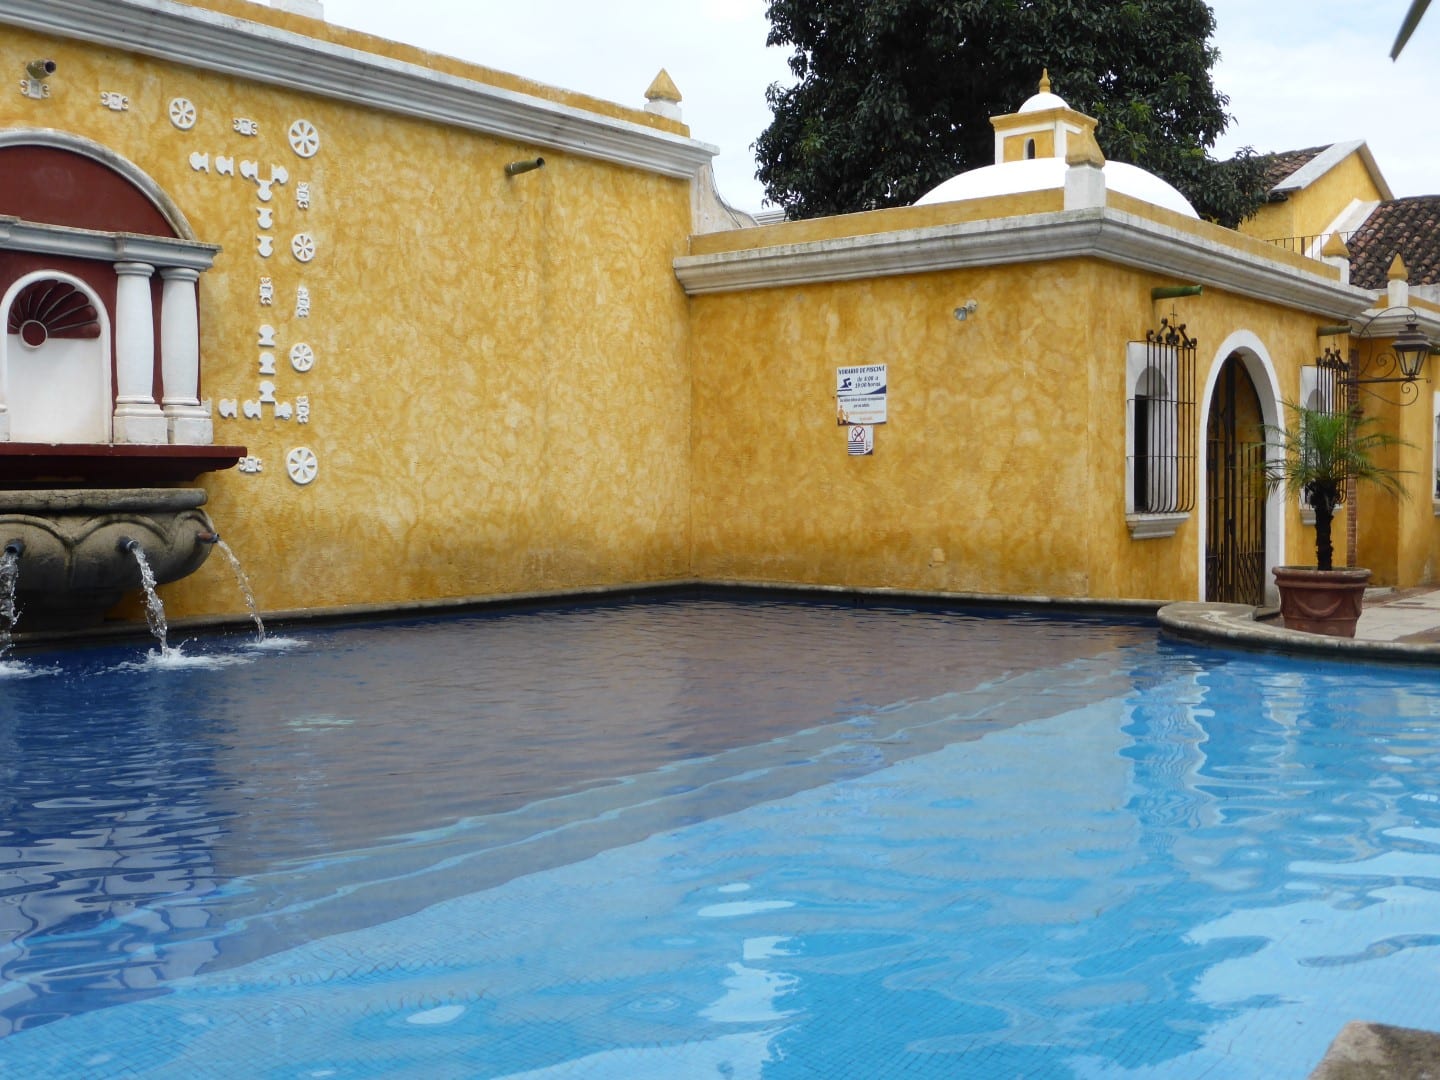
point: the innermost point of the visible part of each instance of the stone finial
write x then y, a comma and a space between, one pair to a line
1084, 150
663, 98
1337, 254
1397, 288
1044, 80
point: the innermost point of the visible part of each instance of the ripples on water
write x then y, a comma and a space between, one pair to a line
1025, 845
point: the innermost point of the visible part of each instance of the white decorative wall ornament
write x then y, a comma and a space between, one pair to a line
34, 88
283, 410
267, 363
302, 357
265, 217
302, 302
302, 465
303, 247
304, 139
267, 337
265, 245
182, 113
224, 166
250, 170
252, 410
302, 195
114, 102
200, 162
302, 409
247, 127
250, 465
267, 292
267, 393
229, 408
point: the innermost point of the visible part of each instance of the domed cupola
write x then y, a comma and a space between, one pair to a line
1045, 127
1048, 146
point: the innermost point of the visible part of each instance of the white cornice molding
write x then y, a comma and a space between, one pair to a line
205, 39
1104, 234
159, 251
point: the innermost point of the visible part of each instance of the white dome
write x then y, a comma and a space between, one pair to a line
1042, 101
1045, 174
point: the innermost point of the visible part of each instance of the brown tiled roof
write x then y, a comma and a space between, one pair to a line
1410, 227
1279, 166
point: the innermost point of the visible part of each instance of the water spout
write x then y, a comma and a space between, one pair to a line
154, 609
244, 583
9, 577
207, 536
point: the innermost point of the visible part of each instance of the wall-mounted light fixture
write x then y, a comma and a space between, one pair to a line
36, 72
1406, 355
515, 168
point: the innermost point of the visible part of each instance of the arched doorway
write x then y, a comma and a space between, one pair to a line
1235, 534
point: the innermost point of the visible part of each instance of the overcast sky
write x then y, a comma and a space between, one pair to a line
1298, 72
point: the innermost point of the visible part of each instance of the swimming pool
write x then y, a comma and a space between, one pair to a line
712, 838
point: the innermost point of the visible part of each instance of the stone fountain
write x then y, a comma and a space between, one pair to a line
73, 564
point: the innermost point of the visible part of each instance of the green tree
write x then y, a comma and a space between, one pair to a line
894, 96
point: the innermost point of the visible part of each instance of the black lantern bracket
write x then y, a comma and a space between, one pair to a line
1399, 365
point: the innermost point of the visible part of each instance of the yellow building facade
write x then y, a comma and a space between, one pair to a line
476, 343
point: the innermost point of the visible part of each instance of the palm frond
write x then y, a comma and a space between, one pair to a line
1412, 20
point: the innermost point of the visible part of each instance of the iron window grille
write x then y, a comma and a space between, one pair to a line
1162, 456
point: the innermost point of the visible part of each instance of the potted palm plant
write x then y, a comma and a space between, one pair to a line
1318, 455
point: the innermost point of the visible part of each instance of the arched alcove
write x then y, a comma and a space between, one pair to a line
78, 220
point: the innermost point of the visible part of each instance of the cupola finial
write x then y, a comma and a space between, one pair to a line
1044, 80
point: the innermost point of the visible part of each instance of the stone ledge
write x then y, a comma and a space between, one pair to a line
1366, 1051
1235, 625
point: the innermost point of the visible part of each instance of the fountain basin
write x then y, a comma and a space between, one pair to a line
73, 569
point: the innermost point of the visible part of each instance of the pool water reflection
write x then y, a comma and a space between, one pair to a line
714, 838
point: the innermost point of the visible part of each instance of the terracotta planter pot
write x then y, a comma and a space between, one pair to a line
1321, 601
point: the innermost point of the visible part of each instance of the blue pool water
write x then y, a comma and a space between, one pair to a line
712, 839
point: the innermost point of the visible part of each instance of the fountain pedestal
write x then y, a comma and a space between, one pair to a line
72, 570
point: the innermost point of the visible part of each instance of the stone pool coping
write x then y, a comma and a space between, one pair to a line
1366, 1051
1237, 625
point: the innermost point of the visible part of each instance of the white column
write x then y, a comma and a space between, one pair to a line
189, 422
137, 418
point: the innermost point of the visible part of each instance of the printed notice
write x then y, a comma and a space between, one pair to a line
861, 440
860, 394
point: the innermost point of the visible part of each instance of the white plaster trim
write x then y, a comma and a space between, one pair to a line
19, 235
1347, 221
213, 41
1155, 526
78, 144
1100, 233
1327, 159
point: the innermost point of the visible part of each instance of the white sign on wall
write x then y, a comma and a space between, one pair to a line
861, 440
860, 394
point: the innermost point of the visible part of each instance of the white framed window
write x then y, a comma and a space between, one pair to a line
1159, 435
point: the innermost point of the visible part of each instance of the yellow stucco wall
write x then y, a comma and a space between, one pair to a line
512, 394
1001, 468
499, 401
1312, 209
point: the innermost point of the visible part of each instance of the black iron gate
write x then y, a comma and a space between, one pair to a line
1235, 490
